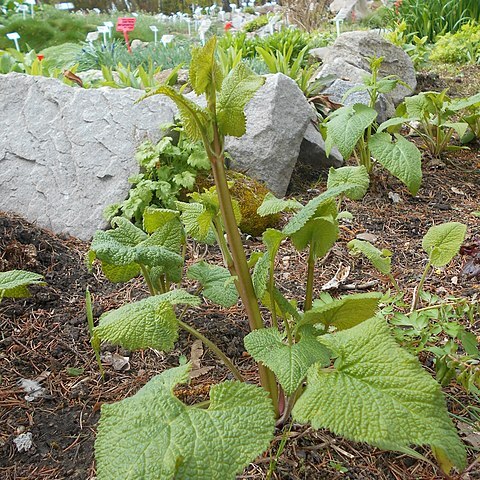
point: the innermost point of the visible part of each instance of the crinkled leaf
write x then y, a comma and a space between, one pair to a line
238, 88
218, 284
320, 232
155, 218
199, 159
125, 232
357, 176
379, 394
148, 323
194, 118
120, 273
197, 221
172, 440
442, 242
289, 362
380, 259
346, 126
185, 179
310, 209
205, 73
170, 235
272, 205
261, 274
14, 283
343, 313
400, 157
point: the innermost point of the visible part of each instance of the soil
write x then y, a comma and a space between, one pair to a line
45, 337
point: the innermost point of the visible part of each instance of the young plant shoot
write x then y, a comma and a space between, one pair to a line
331, 364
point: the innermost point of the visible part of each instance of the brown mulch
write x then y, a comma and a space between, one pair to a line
44, 337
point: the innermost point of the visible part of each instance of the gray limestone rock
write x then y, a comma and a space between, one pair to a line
337, 90
349, 58
312, 151
277, 118
66, 153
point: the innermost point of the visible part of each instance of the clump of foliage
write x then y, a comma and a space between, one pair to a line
435, 118
49, 27
435, 328
168, 169
15, 283
336, 362
97, 55
460, 47
352, 130
435, 17
255, 24
417, 48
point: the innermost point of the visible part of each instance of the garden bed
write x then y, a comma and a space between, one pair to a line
46, 337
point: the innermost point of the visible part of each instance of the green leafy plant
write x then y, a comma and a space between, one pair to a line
460, 47
435, 17
351, 129
435, 118
417, 48
434, 328
14, 283
167, 169
340, 348
256, 23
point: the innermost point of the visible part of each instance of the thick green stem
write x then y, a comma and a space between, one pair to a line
419, 287
227, 257
244, 283
271, 287
228, 363
394, 282
310, 274
148, 280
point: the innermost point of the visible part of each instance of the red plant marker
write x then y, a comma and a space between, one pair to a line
125, 25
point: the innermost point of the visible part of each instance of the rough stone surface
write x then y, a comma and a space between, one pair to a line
312, 151
337, 90
66, 153
277, 118
360, 7
348, 59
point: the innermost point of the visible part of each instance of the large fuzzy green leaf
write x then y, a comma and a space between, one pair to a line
442, 242
400, 157
311, 208
197, 221
205, 73
379, 394
238, 88
148, 323
218, 285
14, 283
172, 440
357, 176
195, 119
344, 313
320, 232
346, 126
272, 205
380, 259
289, 362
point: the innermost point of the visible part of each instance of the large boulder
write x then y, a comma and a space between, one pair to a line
277, 121
66, 153
349, 59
